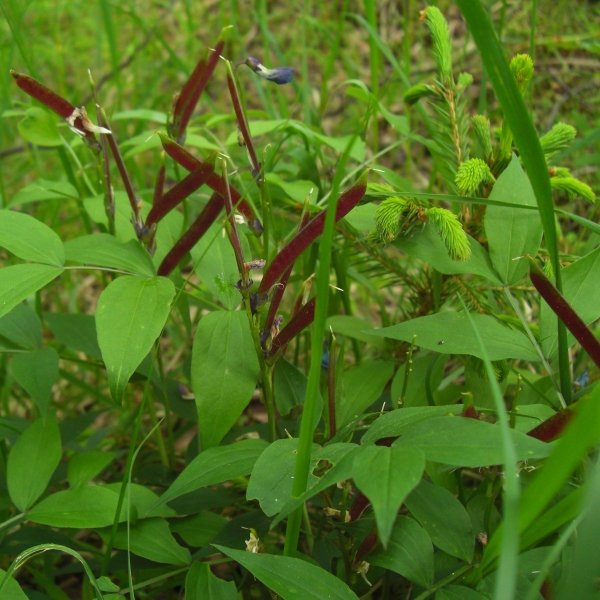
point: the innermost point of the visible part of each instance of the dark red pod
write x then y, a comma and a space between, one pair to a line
302, 318
290, 252
551, 428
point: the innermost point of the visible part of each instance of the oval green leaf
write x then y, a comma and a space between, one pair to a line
214, 466
201, 584
452, 333
83, 508
224, 372
468, 442
444, 518
30, 239
131, 314
32, 461
409, 552
39, 127
36, 372
386, 476
105, 250
291, 578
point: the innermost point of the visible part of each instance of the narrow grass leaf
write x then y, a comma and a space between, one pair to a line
468, 442
214, 466
152, 539
386, 476
130, 316
444, 518
202, 584
409, 552
36, 372
291, 578
224, 372
450, 333
30, 239
32, 461
105, 250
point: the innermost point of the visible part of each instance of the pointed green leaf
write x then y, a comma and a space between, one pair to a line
105, 250
444, 518
214, 466
468, 442
131, 313
30, 239
289, 384
43, 189
451, 333
201, 584
511, 232
152, 539
200, 529
386, 476
87, 507
19, 281
361, 386
22, 326
36, 372
84, 466
32, 461
409, 552
291, 578
459, 592
76, 331
224, 372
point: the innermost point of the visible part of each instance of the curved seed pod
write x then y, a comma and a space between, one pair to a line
290, 252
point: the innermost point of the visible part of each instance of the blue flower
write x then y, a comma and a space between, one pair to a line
279, 75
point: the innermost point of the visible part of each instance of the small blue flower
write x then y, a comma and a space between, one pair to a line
279, 75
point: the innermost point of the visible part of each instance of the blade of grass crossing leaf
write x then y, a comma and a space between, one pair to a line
506, 576
301, 470
530, 151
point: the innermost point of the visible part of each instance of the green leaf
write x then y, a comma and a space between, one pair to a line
105, 250
142, 499
459, 592
84, 466
427, 245
224, 372
152, 539
451, 333
131, 314
77, 332
17, 282
386, 476
87, 507
11, 590
201, 584
32, 461
30, 239
354, 327
216, 266
200, 529
291, 578
444, 518
409, 552
214, 466
511, 232
39, 128
289, 385
360, 387
273, 475
468, 442
22, 326
297, 189
43, 189
580, 282
396, 422
36, 372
